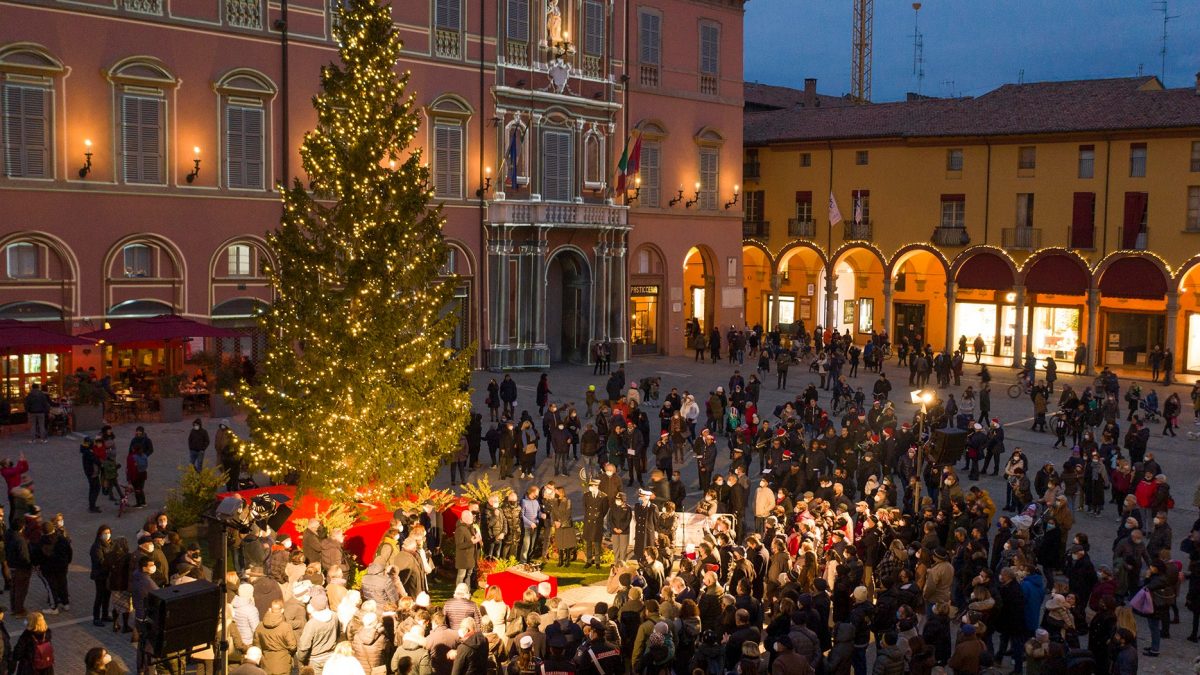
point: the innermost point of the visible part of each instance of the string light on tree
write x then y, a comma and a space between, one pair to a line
359, 396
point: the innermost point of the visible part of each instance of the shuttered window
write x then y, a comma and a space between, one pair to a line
244, 147
710, 48
518, 19
447, 159
649, 38
26, 131
648, 170
22, 260
557, 166
1083, 220
708, 178
593, 17
448, 14
142, 139
1134, 223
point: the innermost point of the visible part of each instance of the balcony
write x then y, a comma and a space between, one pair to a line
1021, 238
244, 13
592, 66
648, 75
1133, 240
804, 229
756, 228
950, 236
517, 53
751, 171
857, 231
557, 213
448, 43
708, 85
1083, 240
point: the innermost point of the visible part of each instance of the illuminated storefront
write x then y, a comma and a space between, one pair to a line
644, 318
22, 371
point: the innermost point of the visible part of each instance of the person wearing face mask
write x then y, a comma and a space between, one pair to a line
644, 516
137, 465
147, 551
620, 520
99, 661
595, 508
470, 655
141, 584
197, 443
100, 551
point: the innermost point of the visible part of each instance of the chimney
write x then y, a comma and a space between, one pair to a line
810, 92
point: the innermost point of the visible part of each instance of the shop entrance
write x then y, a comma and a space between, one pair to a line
644, 316
1129, 337
699, 281
909, 321
568, 307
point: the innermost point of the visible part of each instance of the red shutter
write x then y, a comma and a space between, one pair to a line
803, 197
1135, 213
954, 198
1083, 220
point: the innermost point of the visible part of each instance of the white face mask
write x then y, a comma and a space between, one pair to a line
150, 548
106, 536
609, 472
594, 490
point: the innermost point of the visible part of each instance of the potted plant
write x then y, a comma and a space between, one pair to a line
227, 374
87, 405
170, 403
193, 496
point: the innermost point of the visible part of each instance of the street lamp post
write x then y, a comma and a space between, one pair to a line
922, 398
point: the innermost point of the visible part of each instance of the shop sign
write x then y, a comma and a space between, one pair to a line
643, 290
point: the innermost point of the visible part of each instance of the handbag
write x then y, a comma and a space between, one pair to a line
1142, 603
530, 448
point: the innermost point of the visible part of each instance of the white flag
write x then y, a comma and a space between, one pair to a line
858, 215
835, 214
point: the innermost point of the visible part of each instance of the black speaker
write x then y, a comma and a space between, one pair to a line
281, 515
181, 617
948, 445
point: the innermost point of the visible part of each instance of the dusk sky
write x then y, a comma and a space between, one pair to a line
976, 44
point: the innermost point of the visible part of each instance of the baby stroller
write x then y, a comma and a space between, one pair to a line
1148, 407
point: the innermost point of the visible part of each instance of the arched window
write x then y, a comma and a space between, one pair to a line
27, 79
245, 103
141, 85
450, 116
593, 161
557, 154
24, 260
515, 147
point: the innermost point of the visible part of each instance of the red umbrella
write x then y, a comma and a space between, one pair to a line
19, 337
162, 328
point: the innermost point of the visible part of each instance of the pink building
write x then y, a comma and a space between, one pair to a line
143, 140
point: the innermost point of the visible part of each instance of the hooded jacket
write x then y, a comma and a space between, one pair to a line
245, 613
277, 641
840, 657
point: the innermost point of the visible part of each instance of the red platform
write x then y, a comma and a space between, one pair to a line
363, 537
513, 583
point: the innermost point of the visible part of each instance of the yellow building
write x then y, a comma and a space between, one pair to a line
1073, 205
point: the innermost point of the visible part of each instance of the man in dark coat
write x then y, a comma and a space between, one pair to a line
644, 513
466, 552
595, 508
1009, 620
471, 653
409, 570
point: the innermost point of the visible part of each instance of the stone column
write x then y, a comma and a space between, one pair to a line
831, 300
619, 300
776, 286
537, 280
600, 291
951, 298
1172, 327
499, 251
1093, 329
1019, 328
887, 305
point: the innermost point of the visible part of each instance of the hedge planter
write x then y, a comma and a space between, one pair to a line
171, 409
88, 417
221, 406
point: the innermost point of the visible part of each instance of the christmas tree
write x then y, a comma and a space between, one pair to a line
359, 393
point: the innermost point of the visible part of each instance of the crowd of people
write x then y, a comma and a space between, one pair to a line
830, 534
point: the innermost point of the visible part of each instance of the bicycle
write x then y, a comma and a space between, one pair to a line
123, 493
885, 352
1021, 388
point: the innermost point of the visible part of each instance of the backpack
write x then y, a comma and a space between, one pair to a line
43, 654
